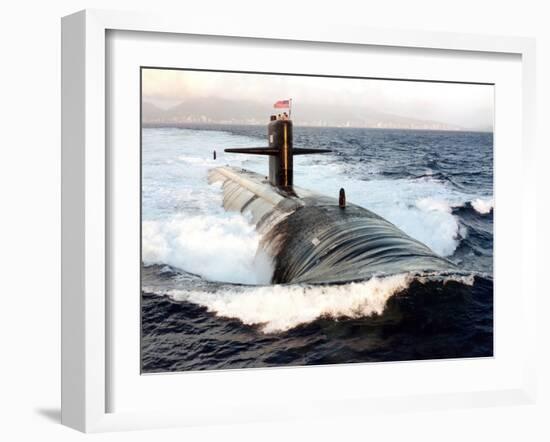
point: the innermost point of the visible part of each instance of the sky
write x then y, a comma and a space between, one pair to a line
460, 106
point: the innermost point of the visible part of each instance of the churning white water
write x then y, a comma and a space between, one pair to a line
279, 308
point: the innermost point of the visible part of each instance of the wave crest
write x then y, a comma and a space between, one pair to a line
282, 307
217, 247
483, 206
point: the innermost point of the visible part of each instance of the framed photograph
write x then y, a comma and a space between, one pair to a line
280, 223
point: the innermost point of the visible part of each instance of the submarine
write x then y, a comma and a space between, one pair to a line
314, 238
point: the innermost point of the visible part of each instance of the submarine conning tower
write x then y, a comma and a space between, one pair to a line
280, 151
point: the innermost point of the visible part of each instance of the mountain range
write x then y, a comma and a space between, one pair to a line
224, 111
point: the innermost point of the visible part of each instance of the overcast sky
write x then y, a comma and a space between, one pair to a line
463, 105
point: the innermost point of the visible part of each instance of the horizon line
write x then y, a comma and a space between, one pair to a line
167, 124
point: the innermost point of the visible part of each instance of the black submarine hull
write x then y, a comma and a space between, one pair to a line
311, 239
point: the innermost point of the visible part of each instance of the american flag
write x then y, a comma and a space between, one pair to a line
282, 104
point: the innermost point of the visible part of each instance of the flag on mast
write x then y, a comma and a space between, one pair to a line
282, 104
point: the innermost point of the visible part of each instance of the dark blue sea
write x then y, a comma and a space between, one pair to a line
206, 299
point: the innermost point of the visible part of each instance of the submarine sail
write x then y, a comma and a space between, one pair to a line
313, 238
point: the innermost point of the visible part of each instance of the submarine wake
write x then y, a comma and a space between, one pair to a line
221, 247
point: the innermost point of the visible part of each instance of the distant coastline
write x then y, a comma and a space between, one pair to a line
230, 112
215, 125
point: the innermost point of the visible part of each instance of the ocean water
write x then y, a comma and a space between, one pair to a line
206, 298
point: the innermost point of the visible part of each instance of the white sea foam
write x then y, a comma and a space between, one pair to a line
434, 205
483, 206
282, 307
444, 229
279, 308
218, 248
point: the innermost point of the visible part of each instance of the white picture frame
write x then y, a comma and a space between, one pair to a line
86, 314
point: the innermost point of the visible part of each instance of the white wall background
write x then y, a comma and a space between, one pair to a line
30, 221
